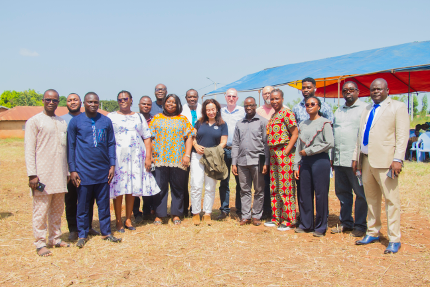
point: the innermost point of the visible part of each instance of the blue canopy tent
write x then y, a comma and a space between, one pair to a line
406, 68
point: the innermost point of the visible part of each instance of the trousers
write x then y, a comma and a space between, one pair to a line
224, 187
376, 183
314, 182
175, 177
101, 194
345, 182
198, 179
47, 208
247, 176
71, 202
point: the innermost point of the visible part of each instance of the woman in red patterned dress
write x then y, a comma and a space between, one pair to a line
282, 134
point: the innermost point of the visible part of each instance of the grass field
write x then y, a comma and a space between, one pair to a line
220, 255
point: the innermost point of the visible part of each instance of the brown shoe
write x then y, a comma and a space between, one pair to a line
245, 221
207, 219
196, 219
256, 221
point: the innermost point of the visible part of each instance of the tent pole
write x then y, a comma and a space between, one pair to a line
259, 91
338, 92
411, 110
324, 90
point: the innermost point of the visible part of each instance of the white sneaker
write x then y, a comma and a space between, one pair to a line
283, 227
270, 224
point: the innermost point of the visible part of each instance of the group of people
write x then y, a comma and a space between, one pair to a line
284, 154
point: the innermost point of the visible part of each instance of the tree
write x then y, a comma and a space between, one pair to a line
400, 98
63, 102
416, 112
425, 107
6, 97
293, 103
28, 98
109, 106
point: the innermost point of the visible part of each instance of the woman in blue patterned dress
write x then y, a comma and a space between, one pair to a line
133, 160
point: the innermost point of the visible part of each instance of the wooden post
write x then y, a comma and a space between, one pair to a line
324, 90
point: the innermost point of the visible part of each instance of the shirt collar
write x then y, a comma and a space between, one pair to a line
353, 106
256, 117
228, 112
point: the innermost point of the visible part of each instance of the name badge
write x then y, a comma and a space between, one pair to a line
215, 127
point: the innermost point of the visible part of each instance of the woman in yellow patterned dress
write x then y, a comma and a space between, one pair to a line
172, 142
282, 134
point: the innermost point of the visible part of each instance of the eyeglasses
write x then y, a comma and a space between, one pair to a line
250, 106
51, 100
160, 89
122, 100
313, 104
234, 97
351, 90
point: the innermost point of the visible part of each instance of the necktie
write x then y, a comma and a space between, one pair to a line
369, 125
194, 117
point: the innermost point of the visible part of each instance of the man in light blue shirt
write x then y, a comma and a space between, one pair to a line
345, 128
231, 114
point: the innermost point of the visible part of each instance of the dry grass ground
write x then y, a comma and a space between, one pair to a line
223, 254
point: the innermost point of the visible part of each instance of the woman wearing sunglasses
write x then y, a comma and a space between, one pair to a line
133, 160
312, 166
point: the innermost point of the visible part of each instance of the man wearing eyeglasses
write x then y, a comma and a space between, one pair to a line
345, 129
46, 161
160, 94
71, 198
231, 114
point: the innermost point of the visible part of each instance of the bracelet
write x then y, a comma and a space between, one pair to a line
188, 155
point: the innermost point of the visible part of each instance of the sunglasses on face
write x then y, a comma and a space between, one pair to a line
160, 89
51, 100
313, 104
351, 90
122, 100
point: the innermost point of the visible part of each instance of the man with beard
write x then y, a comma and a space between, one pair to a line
160, 94
309, 89
145, 105
71, 197
345, 129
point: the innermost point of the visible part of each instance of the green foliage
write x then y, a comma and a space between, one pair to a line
109, 106
419, 120
63, 101
29, 97
293, 103
400, 98
425, 106
416, 112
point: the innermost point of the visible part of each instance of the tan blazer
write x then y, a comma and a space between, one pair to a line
388, 137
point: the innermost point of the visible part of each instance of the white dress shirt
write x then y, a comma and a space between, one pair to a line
187, 112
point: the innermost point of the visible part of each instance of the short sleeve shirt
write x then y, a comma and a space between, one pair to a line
278, 127
169, 134
210, 136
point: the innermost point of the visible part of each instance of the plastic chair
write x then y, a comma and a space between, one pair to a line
413, 148
423, 146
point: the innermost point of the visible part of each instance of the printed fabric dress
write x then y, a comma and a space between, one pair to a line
168, 135
282, 184
131, 176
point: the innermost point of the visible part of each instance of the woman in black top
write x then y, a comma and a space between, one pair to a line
211, 132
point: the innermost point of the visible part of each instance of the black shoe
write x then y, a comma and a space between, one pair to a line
299, 230
222, 216
341, 229
81, 242
358, 233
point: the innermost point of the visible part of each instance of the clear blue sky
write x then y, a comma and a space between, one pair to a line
107, 46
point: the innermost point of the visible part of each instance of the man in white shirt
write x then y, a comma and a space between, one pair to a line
231, 114
193, 111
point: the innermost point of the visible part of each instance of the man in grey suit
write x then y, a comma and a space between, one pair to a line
381, 145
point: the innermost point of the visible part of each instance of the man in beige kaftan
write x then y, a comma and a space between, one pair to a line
46, 160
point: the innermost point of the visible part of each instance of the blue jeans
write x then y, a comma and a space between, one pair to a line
224, 188
345, 183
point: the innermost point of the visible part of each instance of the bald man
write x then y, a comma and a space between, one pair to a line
71, 198
379, 153
231, 114
46, 161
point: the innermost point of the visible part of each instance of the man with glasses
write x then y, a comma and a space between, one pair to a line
71, 198
231, 114
46, 161
250, 161
145, 105
345, 129
193, 111
91, 157
160, 94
